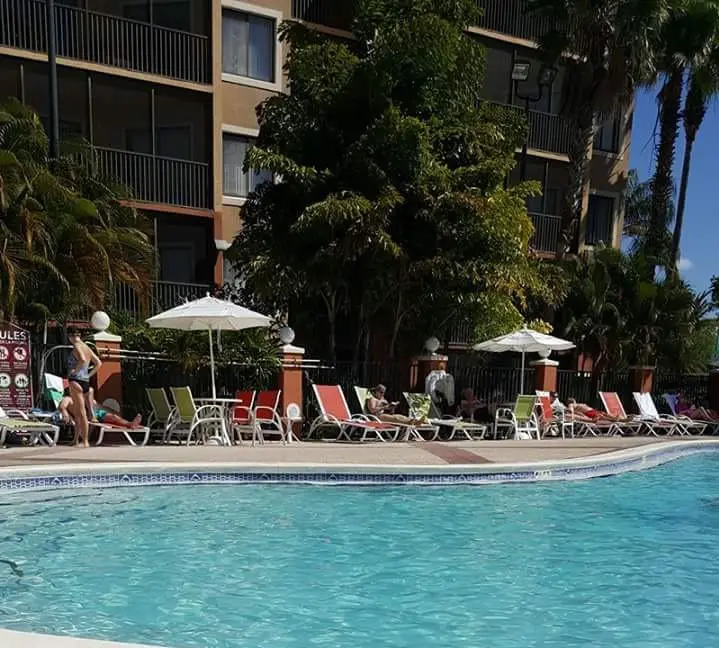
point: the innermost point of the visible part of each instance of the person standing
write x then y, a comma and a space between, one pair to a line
82, 364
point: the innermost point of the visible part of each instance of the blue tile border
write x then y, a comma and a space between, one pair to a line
104, 476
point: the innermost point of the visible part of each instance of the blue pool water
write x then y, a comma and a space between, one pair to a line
629, 561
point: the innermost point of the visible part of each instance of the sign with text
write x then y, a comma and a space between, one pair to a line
15, 381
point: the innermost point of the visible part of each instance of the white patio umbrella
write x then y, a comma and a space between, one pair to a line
209, 314
524, 341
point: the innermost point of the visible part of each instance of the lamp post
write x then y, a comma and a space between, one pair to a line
545, 78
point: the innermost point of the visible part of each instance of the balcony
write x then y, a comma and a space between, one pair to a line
510, 17
547, 132
546, 235
332, 13
163, 296
158, 179
107, 40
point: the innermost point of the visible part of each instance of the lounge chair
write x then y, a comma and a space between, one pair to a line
550, 419
650, 415
422, 406
672, 401
19, 424
334, 413
242, 418
266, 416
111, 405
520, 420
199, 420
411, 430
614, 407
162, 416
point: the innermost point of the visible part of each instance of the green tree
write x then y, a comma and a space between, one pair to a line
605, 48
65, 234
391, 214
703, 86
638, 213
682, 43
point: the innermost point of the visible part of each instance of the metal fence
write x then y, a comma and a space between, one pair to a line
139, 373
580, 386
494, 385
693, 386
107, 40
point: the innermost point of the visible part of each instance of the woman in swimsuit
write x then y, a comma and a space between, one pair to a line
78, 376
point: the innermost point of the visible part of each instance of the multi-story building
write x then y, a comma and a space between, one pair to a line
165, 91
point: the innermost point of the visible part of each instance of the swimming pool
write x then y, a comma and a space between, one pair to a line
630, 561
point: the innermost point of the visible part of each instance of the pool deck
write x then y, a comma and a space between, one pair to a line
333, 454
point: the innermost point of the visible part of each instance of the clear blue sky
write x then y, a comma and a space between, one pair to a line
700, 233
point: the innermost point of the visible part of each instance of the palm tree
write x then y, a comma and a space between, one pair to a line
703, 85
638, 210
65, 235
610, 53
683, 42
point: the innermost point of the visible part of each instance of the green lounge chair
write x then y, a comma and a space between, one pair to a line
520, 420
199, 420
422, 406
18, 423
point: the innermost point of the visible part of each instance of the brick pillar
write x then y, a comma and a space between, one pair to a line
290, 382
641, 379
107, 382
713, 388
422, 366
545, 374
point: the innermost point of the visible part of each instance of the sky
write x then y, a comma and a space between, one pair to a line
700, 233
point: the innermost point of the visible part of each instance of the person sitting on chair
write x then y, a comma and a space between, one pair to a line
378, 406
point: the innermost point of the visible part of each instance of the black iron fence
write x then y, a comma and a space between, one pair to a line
331, 13
107, 40
693, 386
157, 179
493, 385
139, 373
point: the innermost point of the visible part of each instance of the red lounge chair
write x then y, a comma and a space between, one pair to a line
335, 413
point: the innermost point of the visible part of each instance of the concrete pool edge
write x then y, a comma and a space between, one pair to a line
118, 474
14, 639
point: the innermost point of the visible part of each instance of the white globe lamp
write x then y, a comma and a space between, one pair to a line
100, 321
287, 335
544, 353
432, 344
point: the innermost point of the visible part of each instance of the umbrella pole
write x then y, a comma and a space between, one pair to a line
212, 364
521, 389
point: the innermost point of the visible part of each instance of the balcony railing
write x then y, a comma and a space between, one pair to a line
546, 232
547, 132
331, 13
107, 40
462, 334
158, 179
163, 296
511, 17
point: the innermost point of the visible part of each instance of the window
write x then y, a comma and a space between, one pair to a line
236, 182
248, 45
171, 141
173, 14
607, 136
497, 75
599, 220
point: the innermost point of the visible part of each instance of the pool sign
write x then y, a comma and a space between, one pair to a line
15, 383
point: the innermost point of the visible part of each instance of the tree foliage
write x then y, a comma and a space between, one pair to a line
390, 213
65, 235
619, 318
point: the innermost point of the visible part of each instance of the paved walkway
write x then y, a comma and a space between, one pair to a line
407, 454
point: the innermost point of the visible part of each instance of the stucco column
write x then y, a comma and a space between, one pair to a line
107, 382
545, 374
290, 382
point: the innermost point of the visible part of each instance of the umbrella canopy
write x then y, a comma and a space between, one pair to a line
209, 314
524, 341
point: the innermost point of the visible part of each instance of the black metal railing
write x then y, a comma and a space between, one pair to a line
107, 40
163, 296
511, 17
157, 179
461, 334
331, 13
493, 385
546, 232
547, 132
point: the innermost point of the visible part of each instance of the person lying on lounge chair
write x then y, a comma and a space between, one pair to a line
100, 415
378, 406
686, 408
584, 414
